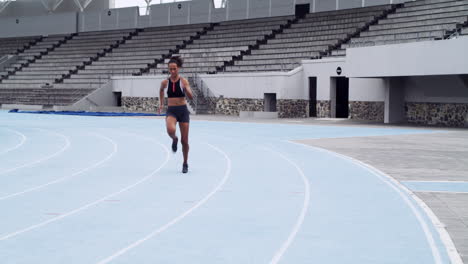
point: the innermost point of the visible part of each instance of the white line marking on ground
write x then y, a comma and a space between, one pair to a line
82, 208
108, 157
22, 141
415, 181
180, 217
277, 257
67, 145
399, 188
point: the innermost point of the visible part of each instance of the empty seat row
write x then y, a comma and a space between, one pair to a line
225, 41
310, 37
415, 21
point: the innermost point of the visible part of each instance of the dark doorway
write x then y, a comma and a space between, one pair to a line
302, 10
313, 96
118, 98
269, 102
342, 97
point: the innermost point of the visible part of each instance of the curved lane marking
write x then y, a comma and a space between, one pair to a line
178, 218
108, 157
22, 141
87, 206
59, 152
400, 189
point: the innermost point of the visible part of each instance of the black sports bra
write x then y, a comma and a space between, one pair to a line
175, 89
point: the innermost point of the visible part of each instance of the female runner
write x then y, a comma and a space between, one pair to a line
177, 111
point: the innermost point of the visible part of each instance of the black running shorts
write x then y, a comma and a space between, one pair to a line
181, 113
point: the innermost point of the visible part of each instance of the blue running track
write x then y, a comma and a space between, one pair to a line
82, 190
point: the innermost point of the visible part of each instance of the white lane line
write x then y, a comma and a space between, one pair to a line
400, 188
277, 257
178, 218
59, 152
423, 181
108, 157
22, 141
82, 208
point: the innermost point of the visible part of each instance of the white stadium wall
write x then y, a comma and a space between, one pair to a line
62, 23
95, 16
23, 8
108, 19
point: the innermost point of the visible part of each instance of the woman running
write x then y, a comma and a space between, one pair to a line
177, 111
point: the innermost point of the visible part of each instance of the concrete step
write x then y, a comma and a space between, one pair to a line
299, 44
211, 50
266, 62
204, 59
83, 74
20, 85
307, 39
409, 30
452, 20
249, 26
366, 19
47, 69
230, 39
78, 85
254, 24
120, 57
261, 68
384, 42
159, 49
427, 34
301, 55
427, 2
423, 17
220, 35
410, 7
243, 30
126, 66
195, 64
86, 81
185, 70
44, 72
341, 28
35, 77
123, 62
221, 44
342, 16
109, 72
290, 50
429, 11
151, 43
208, 55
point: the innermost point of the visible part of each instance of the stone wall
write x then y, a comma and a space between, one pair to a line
293, 108
374, 111
323, 109
232, 106
140, 104
442, 114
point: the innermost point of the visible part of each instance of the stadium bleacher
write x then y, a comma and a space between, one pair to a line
226, 40
91, 46
309, 37
31, 70
413, 21
13, 45
86, 60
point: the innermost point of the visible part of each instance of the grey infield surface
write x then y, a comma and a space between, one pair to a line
440, 156
422, 157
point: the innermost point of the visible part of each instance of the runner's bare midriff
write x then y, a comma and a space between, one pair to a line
176, 101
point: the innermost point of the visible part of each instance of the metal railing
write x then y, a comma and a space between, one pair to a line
203, 97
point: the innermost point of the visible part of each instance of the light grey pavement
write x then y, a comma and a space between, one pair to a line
423, 157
